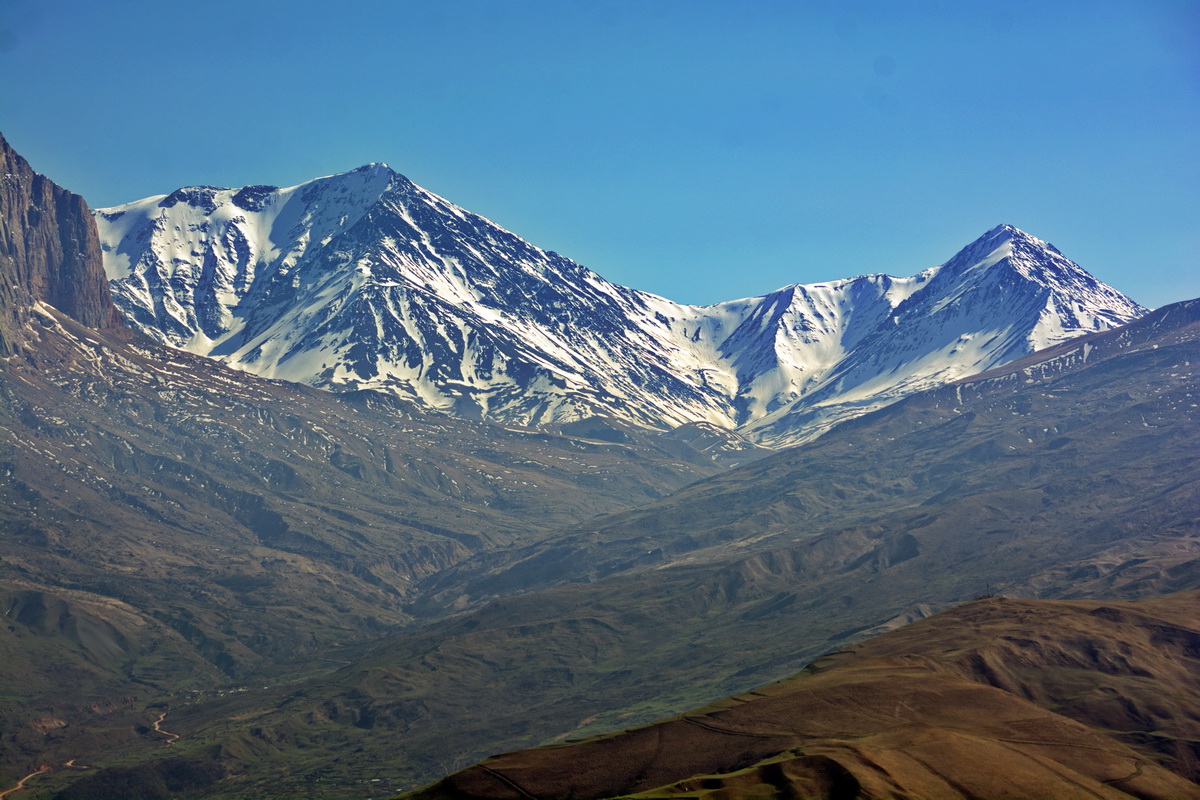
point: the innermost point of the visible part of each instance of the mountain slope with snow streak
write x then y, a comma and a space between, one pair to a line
364, 280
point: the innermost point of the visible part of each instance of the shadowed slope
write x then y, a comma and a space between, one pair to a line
997, 698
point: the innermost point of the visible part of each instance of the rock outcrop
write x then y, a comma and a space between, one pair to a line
49, 252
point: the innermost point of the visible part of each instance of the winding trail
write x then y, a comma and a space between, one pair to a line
171, 737
21, 783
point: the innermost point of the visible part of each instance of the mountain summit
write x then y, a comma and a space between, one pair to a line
1006, 247
366, 280
1002, 296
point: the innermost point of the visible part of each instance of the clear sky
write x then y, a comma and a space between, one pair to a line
700, 150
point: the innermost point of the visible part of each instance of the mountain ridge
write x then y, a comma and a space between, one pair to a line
228, 527
366, 280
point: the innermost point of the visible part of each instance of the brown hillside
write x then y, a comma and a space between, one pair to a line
996, 698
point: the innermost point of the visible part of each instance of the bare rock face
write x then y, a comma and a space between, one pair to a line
49, 252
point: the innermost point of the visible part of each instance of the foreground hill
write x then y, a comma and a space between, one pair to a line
996, 698
365, 280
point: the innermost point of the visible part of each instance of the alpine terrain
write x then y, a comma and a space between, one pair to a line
1068, 475
222, 584
364, 280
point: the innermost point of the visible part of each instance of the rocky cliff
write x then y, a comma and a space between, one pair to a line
49, 252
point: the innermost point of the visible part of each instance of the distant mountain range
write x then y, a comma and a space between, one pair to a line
364, 280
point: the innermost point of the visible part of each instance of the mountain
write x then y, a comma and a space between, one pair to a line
169, 525
996, 698
336, 593
364, 280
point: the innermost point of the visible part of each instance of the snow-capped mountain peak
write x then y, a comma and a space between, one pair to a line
1063, 291
366, 280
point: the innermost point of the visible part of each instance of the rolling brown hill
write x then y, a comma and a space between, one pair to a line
995, 698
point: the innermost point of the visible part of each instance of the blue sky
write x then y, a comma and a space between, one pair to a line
700, 150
